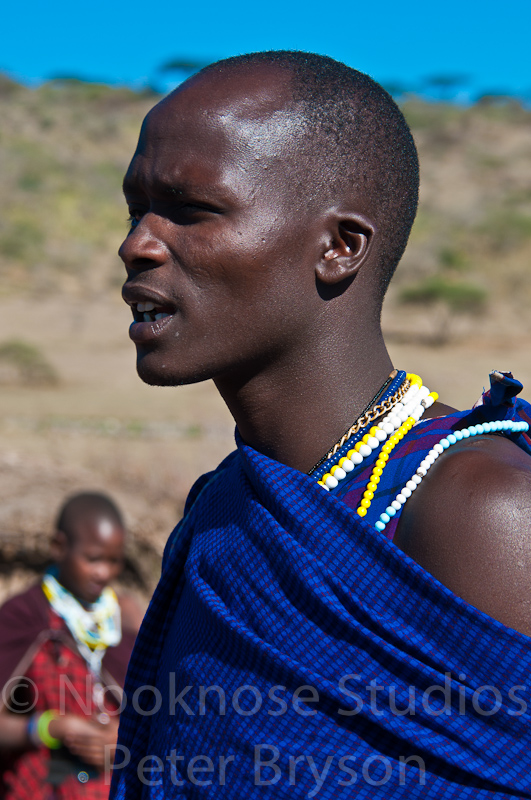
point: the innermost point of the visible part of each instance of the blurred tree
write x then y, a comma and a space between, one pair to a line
445, 86
183, 65
173, 72
396, 89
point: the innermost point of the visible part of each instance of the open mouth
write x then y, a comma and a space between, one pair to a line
149, 312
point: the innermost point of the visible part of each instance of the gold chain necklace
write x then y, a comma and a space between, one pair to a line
371, 415
359, 423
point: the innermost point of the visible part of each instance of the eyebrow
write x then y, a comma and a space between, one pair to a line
164, 189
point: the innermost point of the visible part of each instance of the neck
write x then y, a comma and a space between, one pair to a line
295, 412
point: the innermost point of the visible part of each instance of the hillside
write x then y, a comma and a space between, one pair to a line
64, 148
74, 414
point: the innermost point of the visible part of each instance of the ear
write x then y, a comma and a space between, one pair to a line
58, 546
347, 247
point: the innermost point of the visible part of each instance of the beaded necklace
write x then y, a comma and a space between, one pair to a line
383, 393
404, 406
403, 416
506, 426
388, 396
94, 629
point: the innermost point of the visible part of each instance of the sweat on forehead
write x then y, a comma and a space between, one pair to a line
246, 94
253, 111
87, 507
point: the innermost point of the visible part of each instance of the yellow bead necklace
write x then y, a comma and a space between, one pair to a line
405, 414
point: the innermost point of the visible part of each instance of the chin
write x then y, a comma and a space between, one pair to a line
154, 373
88, 598
153, 378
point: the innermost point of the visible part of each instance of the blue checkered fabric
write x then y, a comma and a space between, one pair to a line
290, 650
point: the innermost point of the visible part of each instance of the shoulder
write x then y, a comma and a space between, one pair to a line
26, 605
469, 524
22, 620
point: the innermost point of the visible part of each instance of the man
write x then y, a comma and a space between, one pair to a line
65, 645
290, 644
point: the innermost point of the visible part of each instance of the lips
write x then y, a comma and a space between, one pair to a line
152, 313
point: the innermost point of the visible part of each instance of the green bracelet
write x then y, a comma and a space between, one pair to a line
43, 732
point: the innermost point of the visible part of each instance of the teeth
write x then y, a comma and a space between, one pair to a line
145, 306
146, 312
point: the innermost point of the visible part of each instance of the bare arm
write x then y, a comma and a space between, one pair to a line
469, 525
86, 738
13, 731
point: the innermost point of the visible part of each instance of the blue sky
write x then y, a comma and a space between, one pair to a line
125, 42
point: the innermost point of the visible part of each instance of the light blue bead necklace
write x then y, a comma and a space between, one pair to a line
504, 426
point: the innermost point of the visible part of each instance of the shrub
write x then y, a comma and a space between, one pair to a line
27, 362
452, 259
460, 297
506, 230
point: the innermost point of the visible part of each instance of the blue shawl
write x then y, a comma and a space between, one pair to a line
292, 650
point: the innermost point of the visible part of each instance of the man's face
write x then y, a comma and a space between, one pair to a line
92, 560
219, 257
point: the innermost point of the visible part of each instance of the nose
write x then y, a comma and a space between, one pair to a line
143, 247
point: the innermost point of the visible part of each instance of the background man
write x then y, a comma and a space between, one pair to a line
65, 646
271, 197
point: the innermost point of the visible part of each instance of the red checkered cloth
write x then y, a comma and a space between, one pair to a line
63, 683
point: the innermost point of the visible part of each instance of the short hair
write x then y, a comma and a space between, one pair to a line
355, 137
92, 505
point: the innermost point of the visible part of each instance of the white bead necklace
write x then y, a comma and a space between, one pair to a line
505, 426
395, 425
